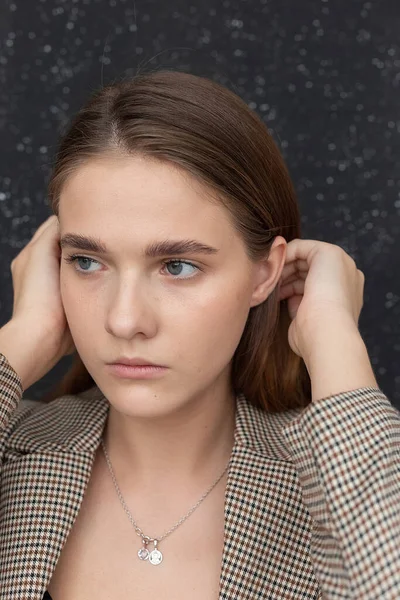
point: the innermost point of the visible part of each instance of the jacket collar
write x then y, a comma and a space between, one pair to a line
49, 458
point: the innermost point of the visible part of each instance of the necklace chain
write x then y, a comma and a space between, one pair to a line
147, 539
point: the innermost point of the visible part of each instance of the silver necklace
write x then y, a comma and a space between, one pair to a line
155, 557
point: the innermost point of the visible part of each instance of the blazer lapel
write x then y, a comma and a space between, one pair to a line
47, 468
267, 530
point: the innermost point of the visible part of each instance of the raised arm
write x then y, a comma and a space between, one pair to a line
346, 443
37, 335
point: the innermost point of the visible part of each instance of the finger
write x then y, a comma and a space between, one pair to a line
293, 278
296, 288
300, 249
39, 231
50, 221
297, 266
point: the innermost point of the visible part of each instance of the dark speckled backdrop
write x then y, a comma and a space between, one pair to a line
324, 75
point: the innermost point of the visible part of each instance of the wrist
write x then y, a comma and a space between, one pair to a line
338, 361
22, 350
324, 334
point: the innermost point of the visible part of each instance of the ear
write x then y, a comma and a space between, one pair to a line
267, 272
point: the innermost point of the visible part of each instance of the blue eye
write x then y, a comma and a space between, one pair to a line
177, 264
85, 262
75, 258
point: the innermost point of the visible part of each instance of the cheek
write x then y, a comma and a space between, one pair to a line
215, 324
78, 311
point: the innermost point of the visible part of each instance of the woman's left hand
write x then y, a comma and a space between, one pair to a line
324, 289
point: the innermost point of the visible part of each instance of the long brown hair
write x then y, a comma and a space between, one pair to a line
211, 133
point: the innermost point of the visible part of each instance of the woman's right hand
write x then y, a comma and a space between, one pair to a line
37, 336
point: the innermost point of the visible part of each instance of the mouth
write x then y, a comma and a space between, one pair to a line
148, 371
134, 362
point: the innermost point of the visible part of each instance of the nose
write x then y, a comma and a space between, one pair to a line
129, 311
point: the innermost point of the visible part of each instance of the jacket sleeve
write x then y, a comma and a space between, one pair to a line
13, 407
346, 449
10, 392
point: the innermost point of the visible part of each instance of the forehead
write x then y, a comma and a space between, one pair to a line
122, 197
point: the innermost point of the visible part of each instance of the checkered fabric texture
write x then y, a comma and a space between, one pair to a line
312, 502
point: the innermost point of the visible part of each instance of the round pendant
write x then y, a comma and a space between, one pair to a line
143, 554
155, 557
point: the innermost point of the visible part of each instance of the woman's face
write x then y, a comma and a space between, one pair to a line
187, 315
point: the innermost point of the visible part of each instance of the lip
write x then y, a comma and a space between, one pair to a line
134, 362
136, 371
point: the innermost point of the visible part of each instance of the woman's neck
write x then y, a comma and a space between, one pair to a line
191, 445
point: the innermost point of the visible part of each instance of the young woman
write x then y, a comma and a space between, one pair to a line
221, 434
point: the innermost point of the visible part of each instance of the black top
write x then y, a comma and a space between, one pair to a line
47, 596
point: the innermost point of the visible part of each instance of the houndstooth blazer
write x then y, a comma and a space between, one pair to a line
312, 502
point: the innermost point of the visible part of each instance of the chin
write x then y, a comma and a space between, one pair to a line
142, 400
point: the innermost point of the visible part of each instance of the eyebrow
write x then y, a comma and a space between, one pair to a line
154, 250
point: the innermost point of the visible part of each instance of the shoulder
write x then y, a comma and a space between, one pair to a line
61, 423
30, 408
262, 431
28, 403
